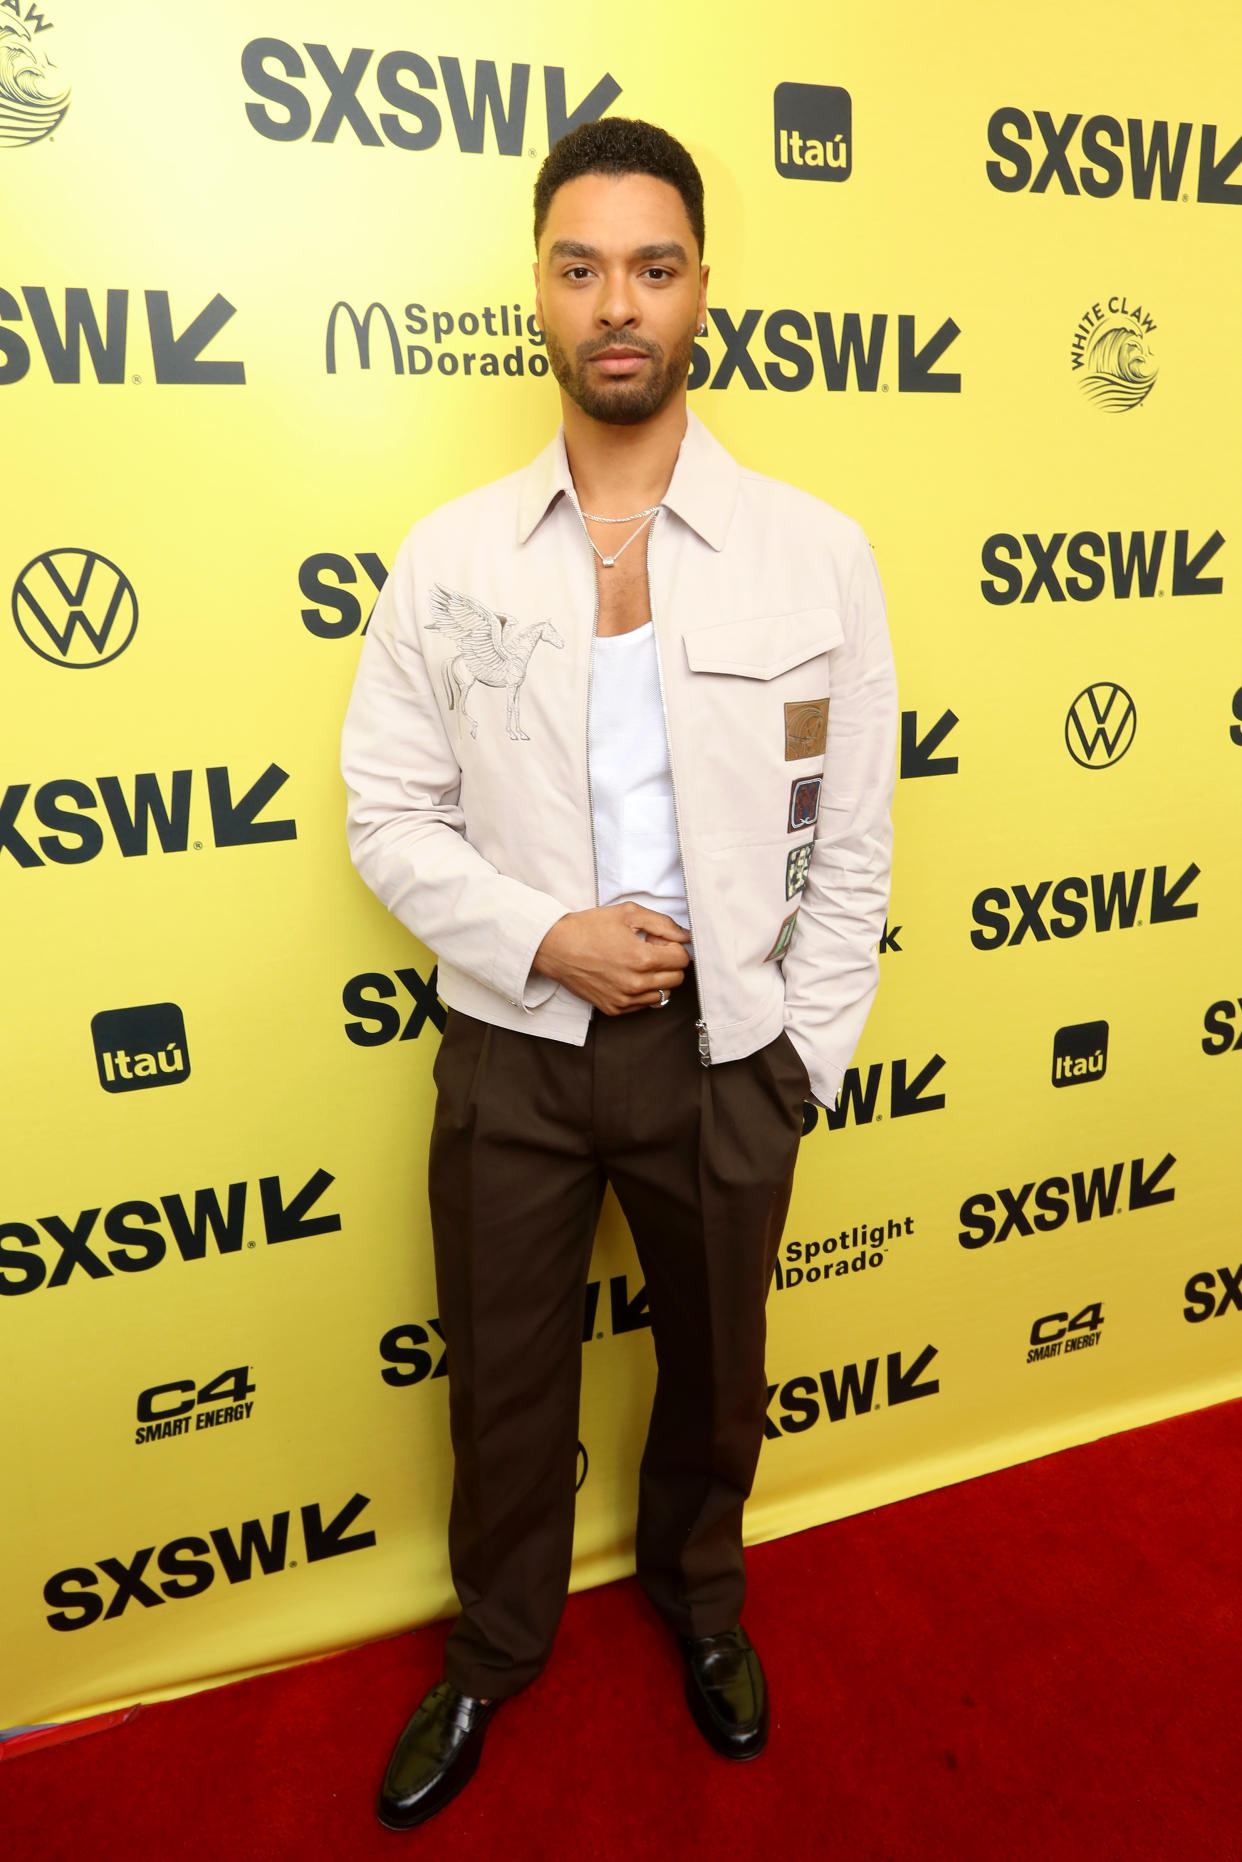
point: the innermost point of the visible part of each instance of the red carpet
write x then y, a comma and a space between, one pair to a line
1042, 1663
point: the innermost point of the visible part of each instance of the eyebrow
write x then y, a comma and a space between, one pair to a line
576, 249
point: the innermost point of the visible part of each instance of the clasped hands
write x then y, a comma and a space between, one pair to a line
618, 957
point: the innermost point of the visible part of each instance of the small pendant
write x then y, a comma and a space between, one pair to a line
608, 561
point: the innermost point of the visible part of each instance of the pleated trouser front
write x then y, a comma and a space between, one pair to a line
527, 1132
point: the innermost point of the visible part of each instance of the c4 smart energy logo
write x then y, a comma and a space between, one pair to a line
1100, 725
812, 128
75, 608
1111, 355
137, 1048
33, 97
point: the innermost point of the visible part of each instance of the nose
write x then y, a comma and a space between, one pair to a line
617, 308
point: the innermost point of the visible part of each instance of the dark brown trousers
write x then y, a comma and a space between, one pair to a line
527, 1133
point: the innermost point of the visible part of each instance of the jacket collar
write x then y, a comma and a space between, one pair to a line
702, 491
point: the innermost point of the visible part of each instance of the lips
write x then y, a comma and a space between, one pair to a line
620, 362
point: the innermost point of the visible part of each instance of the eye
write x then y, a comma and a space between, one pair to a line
658, 272
578, 271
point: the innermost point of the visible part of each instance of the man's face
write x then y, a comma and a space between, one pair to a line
620, 292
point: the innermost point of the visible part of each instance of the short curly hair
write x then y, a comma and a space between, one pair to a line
620, 145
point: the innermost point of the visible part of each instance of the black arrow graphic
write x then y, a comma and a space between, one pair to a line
628, 1315
904, 1100
1214, 182
176, 358
904, 1386
916, 752
288, 1221
1164, 898
233, 823
1186, 577
914, 366
330, 1541
1143, 1191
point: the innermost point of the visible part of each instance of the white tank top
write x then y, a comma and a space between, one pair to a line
637, 854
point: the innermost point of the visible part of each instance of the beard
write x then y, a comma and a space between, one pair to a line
621, 401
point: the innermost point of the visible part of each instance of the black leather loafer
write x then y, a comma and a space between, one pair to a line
434, 1758
726, 1692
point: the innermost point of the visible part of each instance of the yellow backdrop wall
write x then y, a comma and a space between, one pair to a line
265, 299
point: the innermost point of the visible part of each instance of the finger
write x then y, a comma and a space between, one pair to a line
664, 954
657, 924
654, 992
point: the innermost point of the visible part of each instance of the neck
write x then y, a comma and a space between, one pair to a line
617, 470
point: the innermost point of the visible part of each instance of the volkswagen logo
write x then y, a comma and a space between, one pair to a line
75, 608
1100, 726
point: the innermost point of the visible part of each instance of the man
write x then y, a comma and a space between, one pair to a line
620, 751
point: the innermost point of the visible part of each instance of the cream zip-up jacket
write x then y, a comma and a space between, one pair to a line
465, 749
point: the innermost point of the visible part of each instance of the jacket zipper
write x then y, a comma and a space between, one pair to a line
590, 681
705, 1046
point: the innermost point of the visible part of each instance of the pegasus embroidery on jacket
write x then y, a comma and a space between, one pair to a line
491, 650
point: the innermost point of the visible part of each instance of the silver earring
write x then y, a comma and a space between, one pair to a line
702, 330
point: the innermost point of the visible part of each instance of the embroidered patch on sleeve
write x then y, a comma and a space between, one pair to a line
804, 802
806, 728
797, 866
784, 937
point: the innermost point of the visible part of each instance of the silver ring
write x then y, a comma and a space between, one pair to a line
663, 1002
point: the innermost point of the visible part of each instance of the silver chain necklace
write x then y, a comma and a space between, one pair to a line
606, 562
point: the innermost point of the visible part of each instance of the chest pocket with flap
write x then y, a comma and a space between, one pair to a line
763, 646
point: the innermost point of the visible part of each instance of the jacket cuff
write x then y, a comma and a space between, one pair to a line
515, 978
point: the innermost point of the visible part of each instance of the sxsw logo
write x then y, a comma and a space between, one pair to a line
859, 1099
918, 753
327, 579
834, 348
1133, 566
414, 1353
75, 608
142, 1047
991, 1218
402, 80
1205, 1302
1115, 901
1150, 155
371, 997
134, 812
853, 1387
186, 1568
1220, 1035
1079, 1053
813, 131
176, 356
139, 1242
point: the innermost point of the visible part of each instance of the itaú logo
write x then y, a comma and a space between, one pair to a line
74, 607
1100, 725
140, 1047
